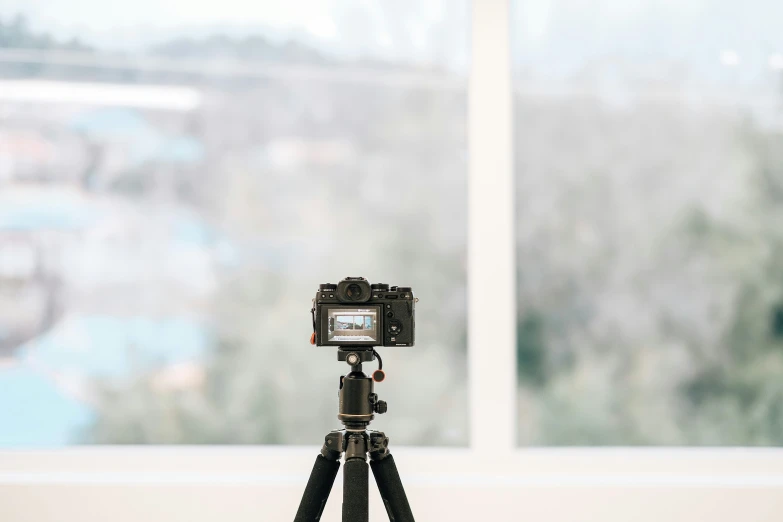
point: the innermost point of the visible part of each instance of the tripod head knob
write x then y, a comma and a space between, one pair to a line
380, 407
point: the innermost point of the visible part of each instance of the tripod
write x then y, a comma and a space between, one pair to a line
357, 405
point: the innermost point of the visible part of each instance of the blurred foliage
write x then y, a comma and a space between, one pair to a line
15, 33
531, 350
387, 203
650, 280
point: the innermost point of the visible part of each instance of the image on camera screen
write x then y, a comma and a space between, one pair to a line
353, 325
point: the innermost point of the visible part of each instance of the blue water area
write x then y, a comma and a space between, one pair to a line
34, 412
192, 230
180, 150
47, 213
143, 141
110, 122
106, 346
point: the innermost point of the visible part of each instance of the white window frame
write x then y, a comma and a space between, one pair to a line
264, 482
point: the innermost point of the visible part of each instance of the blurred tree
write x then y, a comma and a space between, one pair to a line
737, 396
531, 350
649, 270
305, 219
16, 34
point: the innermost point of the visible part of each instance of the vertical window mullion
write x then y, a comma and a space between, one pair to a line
491, 270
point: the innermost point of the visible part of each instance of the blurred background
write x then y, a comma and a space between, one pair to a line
649, 211
176, 178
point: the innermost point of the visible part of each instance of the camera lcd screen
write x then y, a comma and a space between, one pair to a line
352, 325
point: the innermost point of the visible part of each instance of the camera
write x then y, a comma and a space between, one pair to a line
355, 313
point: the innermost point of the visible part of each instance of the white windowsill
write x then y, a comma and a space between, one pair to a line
264, 483
252, 463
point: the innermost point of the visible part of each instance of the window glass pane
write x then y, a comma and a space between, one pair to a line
176, 180
345, 322
649, 196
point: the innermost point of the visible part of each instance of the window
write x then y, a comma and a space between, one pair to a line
175, 182
648, 220
242, 483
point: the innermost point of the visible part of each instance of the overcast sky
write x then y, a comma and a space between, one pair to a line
408, 30
549, 34
107, 22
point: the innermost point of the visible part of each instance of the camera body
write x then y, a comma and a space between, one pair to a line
355, 313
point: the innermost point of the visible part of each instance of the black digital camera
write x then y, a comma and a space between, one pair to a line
355, 313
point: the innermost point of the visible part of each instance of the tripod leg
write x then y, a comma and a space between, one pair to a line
355, 491
388, 479
355, 504
392, 492
317, 491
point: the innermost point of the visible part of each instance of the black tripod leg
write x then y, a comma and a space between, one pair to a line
392, 492
355, 491
317, 490
388, 479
